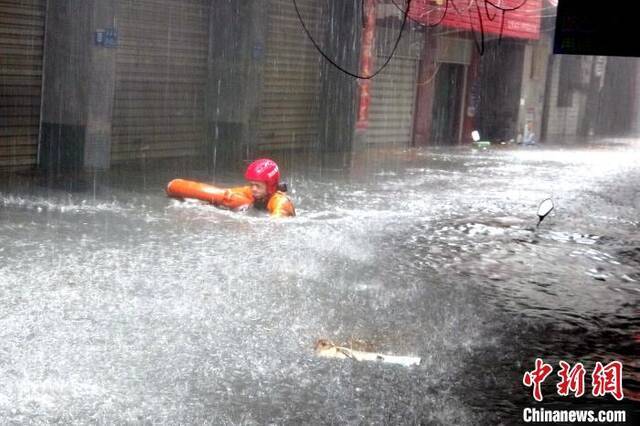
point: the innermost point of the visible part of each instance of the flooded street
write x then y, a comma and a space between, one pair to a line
119, 305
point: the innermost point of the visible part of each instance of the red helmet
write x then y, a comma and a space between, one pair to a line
264, 170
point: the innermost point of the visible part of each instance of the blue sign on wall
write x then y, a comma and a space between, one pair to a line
258, 51
107, 37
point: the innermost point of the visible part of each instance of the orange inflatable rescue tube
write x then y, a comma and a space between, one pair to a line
231, 198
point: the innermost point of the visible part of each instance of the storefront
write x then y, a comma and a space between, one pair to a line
479, 57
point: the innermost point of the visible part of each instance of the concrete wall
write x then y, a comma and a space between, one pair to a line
614, 103
636, 104
562, 121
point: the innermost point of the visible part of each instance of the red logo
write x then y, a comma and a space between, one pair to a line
536, 377
605, 379
608, 379
572, 379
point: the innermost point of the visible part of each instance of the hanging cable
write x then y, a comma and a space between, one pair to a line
502, 10
332, 62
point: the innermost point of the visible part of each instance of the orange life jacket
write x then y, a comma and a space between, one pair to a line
278, 205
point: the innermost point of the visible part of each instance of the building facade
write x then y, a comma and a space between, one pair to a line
87, 84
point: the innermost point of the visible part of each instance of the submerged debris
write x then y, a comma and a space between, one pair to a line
327, 349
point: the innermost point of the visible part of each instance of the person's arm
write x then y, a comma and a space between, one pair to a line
237, 197
280, 206
232, 198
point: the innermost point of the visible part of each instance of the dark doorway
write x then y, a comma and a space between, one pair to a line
446, 104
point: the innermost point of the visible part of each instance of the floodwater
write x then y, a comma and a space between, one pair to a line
118, 305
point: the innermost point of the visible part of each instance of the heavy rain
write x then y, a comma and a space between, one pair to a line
419, 141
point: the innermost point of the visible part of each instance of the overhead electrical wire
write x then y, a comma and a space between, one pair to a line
332, 62
405, 17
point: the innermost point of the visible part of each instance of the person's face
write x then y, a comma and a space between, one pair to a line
258, 189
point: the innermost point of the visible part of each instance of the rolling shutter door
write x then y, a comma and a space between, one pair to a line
392, 102
289, 108
160, 79
22, 25
393, 91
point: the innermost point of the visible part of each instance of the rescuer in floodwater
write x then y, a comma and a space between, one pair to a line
262, 191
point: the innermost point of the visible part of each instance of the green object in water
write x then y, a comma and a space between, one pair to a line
482, 144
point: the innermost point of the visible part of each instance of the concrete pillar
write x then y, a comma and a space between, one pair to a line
426, 89
100, 90
338, 102
471, 98
237, 48
78, 87
533, 90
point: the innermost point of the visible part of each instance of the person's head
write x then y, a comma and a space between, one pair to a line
263, 176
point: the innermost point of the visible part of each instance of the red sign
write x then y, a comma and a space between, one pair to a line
509, 18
